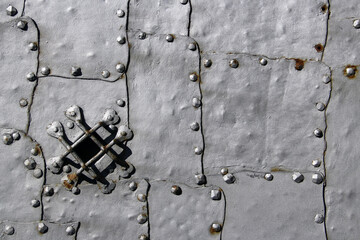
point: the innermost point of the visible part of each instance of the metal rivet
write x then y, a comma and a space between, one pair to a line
120, 68
34, 151
120, 103
298, 177
121, 39
326, 79
45, 71
320, 106
195, 126
71, 113
70, 230
33, 46
317, 178
193, 77
9, 230
31, 76
11, 11
319, 218
67, 168
142, 35
75, 190
16, 135
70, 125
233, 63
132, 186
141, 197
22, 25
215, 194
37, 173
35, 203
350, 71
23, 102
7, 139
113, 127
207, 63
76, 71
229, 178
215, 227
143, 237
183, 2
269, 176
198, 150
120, 13
42, 228
169, 38
316, 163
105, 74
196, 102
200, 179
224, 171
142, 218
263, 61
30, 163
318, 133
48, 191
356, 24
176, 190
192, 46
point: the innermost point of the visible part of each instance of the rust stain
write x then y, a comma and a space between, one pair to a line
213, 232
324, 8
299, 64
355, 70
69, 183
319, 47
277, 169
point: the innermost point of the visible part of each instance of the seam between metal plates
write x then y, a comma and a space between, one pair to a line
327, 30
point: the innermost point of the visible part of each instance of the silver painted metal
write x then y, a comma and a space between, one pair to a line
216, 227
34, 151
297, 177
9, 230
193, 77
234, 63
35, 203
317, 178
316, 163
22, 24
263, 61
30, 163
141, 197
105, 74
142, 218
356, 23
33, 46
229, 178
121, 68
31, 76
23, 102
326, 79
200, 179
318, 133
120, 13
198, 150
120, 103
132, 186
175, 189
42, 228
319, 218
11, 11
207, 63
37, 173
269, 176
76, 71
183, 2
121, 39
7, 139
48, 191
142, 35
196, 102
16, 136
224, 171
195, 126
169, 38
70, 230
143, 237
45, 71
350, 71
192, 46
320, 106
215, 194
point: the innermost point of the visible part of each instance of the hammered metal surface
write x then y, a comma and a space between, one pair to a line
262, 117
161, 110
102, 216
80, 34
188, 215
342, 158
18, 60
272, 28
18, 183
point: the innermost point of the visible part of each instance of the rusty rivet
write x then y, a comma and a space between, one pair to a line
324, 8
34, 151
234, 63
319, 47
215, 228
175, 189
299, 64
350, 71
7, 139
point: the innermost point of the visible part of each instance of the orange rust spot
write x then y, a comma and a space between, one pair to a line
67, 185
299, 64
353, 75
71, 179
319, 47
213, 232
276, 169
324, 8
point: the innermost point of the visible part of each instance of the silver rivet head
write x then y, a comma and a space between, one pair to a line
320, 106
183, 2
298, 177
7, 139
215, 194
319, 218
75, 190
215, 227
356, 24
35, 203
200, 179
70, 230
317, 178
70, 125
23, 25
169, 38
196, 102
132, 186
11, 11
45, 71
350, 71
142, 35
9, 230
48, 191
120, 103
318, 133
23, 102
16, 135
207, 63
326, 79
30, 163
316, 163
143, 237
268, 176
76, 71
224, 171
67, 168
175, 189
121, 39
142, 218
234, 63
120, 13
37, 173
195, 126
198, 150
193, 77
105, 74
33, 46
120, 68
34, 151
141, 197
42, 228
229, 178
192, 46
263, 61
31, 76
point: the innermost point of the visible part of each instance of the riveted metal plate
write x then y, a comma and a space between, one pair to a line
161, 110
342, 45
16, 90
291, 29
342, 158
31, 230
10, 9
101, 216
21, 183
262, 117
187, 215
277, 209
81, 35
162, 17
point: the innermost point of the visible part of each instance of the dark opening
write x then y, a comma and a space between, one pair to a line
87, 149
